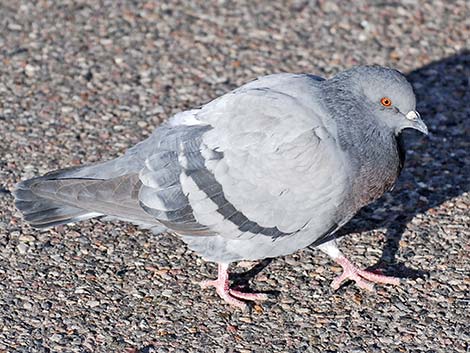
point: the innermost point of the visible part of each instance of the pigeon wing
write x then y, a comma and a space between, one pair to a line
259, 161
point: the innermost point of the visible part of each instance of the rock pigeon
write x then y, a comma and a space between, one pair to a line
274, 166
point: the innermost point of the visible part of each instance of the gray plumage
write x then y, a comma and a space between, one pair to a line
269, 168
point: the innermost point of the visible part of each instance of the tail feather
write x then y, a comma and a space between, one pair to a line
74, 194
42, 212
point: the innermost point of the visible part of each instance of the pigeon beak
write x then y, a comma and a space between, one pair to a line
416, 122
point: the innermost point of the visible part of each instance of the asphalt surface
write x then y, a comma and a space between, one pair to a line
81, 81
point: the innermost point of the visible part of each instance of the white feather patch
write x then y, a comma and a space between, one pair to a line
187, 117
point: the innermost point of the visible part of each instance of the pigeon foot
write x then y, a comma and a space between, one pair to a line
364, 279
231, 296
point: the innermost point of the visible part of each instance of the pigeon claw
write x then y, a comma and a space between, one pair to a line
356, 277
224, 292
364, 279
248, 296
231, 296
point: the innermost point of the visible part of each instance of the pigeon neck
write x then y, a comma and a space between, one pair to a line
352, 116
371, 146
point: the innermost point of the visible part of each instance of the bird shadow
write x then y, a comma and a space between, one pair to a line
241, 280
437, 167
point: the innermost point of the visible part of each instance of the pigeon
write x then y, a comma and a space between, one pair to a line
276, 165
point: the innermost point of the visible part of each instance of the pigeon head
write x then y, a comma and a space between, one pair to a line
387, 94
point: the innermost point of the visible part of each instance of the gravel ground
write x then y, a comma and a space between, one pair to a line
80, 82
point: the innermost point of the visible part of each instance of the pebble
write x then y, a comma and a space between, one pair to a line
22, 248
56, 337
93, 303
30, 70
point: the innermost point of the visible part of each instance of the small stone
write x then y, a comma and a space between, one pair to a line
56, 337
80, 290
246, 320
258, 309
167, 293
66, 110
22, 248
30, 70
93, 303
14, 27
27, 238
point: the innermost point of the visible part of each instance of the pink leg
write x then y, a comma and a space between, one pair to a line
362, 278
222, 287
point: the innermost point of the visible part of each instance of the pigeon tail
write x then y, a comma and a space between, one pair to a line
44, 210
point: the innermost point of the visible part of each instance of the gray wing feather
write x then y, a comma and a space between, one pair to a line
161, 194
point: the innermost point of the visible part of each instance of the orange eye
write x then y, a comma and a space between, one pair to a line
386, 102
